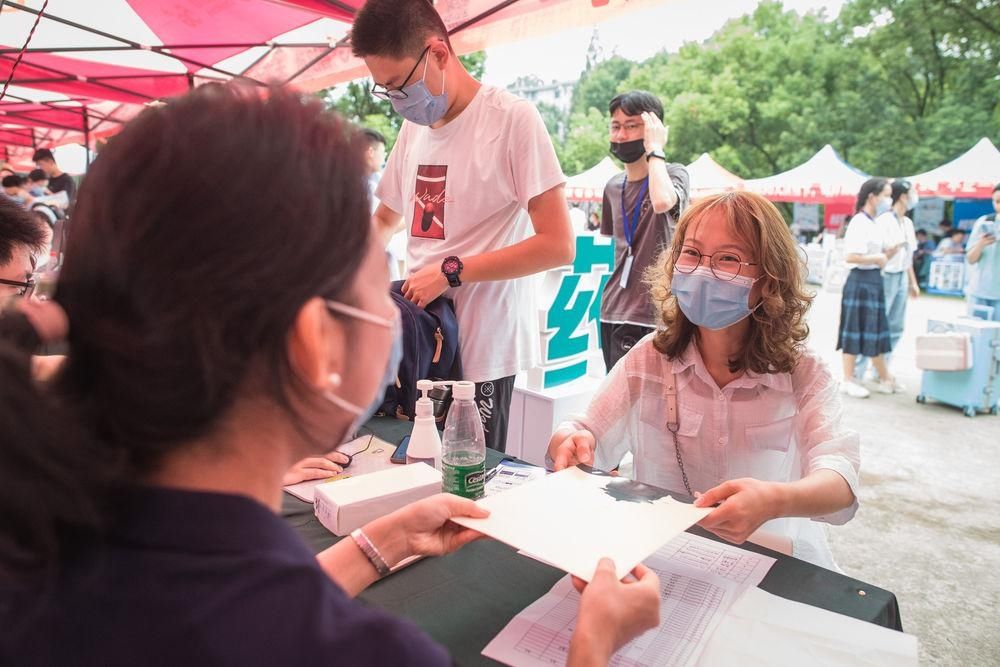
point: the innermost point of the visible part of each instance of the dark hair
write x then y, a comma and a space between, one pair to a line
872, 186
18, 228
955, 230
43, 154
395, 28
997, 188
373, 136
921, 231
12, 181
180, 295
38, 175
900, 187
634, 102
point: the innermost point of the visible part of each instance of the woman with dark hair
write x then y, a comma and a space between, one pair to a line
864, 326
215, 337
899, 281
724, 400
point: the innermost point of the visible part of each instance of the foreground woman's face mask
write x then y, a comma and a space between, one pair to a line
710, 302
363, 414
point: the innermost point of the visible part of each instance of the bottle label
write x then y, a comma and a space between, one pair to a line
464, 480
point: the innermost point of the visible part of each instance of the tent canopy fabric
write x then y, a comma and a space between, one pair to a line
589, 185
139, 51
972, 174
708, 177
825, 177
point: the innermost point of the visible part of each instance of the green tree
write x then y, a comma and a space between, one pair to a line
586, 142
599, 84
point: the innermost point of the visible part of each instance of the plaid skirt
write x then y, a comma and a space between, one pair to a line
864, 327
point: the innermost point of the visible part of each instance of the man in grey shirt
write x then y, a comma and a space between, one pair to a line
641, 208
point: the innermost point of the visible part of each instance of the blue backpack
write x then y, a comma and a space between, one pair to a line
430, 351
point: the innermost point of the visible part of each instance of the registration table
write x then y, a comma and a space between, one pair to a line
465, 599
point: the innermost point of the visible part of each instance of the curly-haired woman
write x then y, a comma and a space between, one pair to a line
724, 401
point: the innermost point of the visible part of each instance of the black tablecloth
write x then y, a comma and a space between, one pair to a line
465, 599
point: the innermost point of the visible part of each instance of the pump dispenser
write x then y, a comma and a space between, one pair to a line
425, 441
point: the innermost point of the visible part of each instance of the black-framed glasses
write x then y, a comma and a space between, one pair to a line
383, 93
725, 264
25, 287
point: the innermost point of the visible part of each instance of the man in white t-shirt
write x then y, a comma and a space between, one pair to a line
474, 179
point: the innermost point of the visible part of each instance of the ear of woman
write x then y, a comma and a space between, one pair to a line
316, 344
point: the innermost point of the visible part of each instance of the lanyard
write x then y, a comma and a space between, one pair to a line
630, 223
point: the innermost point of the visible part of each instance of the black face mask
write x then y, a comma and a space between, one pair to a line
628, 151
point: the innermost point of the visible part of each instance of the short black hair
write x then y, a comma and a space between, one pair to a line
12, 181
634, 102
373, 136
921, 231
37, 175
18, 228
956, 230
997, 188
395, 28
43, 154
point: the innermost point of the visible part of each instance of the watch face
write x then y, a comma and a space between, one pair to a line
450, 265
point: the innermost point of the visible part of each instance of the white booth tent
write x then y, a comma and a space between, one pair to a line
823, 178
708, 177
973, 174
588, 186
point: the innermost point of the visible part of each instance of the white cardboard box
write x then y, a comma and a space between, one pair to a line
346, 504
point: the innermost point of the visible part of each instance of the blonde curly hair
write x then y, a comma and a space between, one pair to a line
778, 326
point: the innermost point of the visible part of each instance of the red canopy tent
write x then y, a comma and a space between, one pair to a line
157, 49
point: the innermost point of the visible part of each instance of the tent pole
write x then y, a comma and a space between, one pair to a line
86, 138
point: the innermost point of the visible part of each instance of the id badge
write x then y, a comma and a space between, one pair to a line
626, 270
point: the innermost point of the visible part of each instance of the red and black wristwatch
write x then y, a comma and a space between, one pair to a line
451, 267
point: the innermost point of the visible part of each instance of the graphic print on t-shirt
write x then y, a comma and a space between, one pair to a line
429, 197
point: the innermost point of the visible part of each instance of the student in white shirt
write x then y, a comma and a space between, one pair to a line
864, 326
757, 416
898, 279
474, 178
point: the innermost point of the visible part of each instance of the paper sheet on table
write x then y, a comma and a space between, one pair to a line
764, 629
374, 458
699, 580
572, 519
510, 475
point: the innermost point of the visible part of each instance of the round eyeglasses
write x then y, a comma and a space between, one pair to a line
725, 265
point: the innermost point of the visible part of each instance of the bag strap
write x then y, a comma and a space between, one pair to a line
673, 424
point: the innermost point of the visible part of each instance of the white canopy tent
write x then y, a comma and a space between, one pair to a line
973, 174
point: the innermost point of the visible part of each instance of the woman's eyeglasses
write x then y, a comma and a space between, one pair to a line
725, 265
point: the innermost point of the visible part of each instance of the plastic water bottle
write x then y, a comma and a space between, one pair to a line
425, 441
463, 450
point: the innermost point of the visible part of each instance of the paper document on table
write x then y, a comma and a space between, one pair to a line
699, 581
764, 629
367, 458
573, 518
509, 475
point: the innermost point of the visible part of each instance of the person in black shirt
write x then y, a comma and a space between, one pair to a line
140, 488
59, 181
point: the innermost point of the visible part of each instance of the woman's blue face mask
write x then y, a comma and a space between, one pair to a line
710, 302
